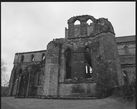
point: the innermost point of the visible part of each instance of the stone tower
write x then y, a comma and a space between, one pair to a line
85, 48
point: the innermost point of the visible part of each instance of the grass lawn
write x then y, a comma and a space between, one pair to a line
27, 103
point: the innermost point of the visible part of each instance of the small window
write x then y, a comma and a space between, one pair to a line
77, 22
32, 58
126, 49
89, 21
88, 71
43, 56
87, 49
22, 58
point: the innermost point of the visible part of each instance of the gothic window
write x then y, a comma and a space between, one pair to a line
32, 58
89, 21
88, 55
88, 71
77, 22
43, 57
68, 63
88, 61
22, 58
126, 49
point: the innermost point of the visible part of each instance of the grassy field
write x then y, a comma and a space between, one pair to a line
27, 103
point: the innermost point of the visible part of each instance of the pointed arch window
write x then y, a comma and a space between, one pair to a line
89, 21
88, 66
68, 63
43, 57
126, 49
77, 22
32, 58
22, 58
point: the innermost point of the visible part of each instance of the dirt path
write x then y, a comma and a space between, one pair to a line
107, 103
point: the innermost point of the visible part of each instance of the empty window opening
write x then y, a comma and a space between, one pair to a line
89, 21
77, 22
88, 56
126, 49
88, 61
32, 58
68, 63
22, 58
88, 71
43, 56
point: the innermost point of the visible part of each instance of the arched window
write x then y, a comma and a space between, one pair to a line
88, 69
43, 56
87, 55
22, 58
89, 21
68, 63
88, 66
32, 58
126, 49
77, 22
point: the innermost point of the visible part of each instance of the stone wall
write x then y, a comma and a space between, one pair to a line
86, 61
79, 89
126, 48
22, 67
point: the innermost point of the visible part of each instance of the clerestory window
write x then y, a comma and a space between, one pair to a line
32, 58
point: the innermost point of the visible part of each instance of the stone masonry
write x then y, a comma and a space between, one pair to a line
77, 65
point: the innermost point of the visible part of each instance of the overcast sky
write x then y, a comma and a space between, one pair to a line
29, 26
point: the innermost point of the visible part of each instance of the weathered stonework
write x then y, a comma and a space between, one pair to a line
86, 60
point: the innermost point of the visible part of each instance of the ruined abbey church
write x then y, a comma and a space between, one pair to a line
89, 61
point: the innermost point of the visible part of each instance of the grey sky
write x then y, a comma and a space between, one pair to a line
29, 26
